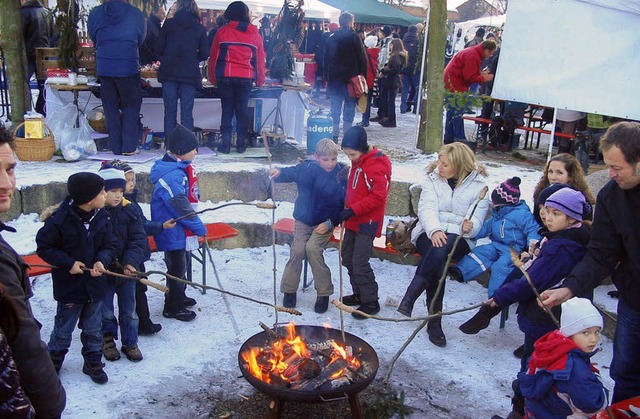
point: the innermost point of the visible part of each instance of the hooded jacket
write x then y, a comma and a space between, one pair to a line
367, 190
117, 30
561, 382
129, 232
37, 28
181, 45
170, 200
411, 42
464, 69
510, 225
64, 239
344, 58
442, 208
558, 255
321, 194
237, 51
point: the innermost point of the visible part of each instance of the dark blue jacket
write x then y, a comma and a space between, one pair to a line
410, 41
321, 194
560, 381
169, 201
148, 53
117, 30
561, 252
181, 45
151, 228
129, 230
64, 239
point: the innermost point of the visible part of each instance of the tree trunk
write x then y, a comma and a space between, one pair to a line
430, 131
16, 59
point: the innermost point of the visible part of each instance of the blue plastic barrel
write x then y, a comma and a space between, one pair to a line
319, 126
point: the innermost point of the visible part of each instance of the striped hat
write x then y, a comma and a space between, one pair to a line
113, 177
507, 193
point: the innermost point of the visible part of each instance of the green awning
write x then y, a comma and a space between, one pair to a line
373, 11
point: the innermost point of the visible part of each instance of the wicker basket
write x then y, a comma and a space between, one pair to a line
35, 149
97, 120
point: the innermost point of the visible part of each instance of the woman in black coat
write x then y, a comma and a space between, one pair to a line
392, 72
182, 44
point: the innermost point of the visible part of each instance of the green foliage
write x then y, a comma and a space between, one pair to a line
386, 405
66, 23
463, 100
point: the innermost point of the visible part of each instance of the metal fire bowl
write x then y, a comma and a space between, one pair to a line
313, 334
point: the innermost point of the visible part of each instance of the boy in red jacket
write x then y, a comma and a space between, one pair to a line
367, 190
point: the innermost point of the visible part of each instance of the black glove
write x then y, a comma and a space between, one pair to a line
346, 214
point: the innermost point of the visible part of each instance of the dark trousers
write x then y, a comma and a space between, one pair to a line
40, 102
176, 261
121, 99
356, 251
234, 97
625, 364
383, 98
391, 104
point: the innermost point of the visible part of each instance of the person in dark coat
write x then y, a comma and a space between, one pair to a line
182, 44
37, 30
344, 58
319, 57
148, 52
37, 374
78, 240
411, 73
219, 22
392, 73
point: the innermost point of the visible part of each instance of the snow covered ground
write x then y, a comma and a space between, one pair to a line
470, 377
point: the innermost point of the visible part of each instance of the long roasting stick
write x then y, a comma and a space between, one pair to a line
265, 141
348, 309
264, 205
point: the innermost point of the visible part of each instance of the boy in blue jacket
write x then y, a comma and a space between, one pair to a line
560, 381
78, 241
128, 229
511, 225
321, 190
174, 193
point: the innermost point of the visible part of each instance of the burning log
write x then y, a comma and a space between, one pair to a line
331, 371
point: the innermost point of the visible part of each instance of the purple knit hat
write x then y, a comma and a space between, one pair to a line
507, 193
568, 201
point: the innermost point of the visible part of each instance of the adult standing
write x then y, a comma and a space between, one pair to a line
461, 72
37, 31
383, 58
448, 195
182, 44
319, 57
237, 61
38, 377
117, 30
392, 73
148, 53
410, 74
344, 58
614, 249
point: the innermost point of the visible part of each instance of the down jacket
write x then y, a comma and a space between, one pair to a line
464, 69
367, 190
441, 208
38, 378
13, 401
64, 239
170, 200
129, 230
237, 51
151, 228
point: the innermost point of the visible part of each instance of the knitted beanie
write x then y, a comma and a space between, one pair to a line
507, 193
84, 186
371, 41
577, 315
182, 140
119, 164
113, 177
386, 30
356, 138
550, 190
569, 202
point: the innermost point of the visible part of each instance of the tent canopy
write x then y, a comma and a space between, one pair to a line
373, 11
313, 9
581, 55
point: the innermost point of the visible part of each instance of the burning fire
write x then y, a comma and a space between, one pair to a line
289, 360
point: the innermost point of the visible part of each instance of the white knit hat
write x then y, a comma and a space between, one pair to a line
370, 41
578, 314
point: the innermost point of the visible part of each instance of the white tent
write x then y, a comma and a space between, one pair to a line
582, 55
468, 29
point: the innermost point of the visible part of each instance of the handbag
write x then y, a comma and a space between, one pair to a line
357, 86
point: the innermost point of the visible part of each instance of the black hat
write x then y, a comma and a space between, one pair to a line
480, 32
84, 186
356, 138
507, 193
413, 29
386, 30
550, 190
182, 141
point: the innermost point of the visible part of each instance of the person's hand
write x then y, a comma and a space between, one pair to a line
467, 226
169, 224
524, 256
346, 214
487, 77
97, 270
274, 173
533, 247
438, 239
129, 270
321, 229
491, 303
552, 298
77, 268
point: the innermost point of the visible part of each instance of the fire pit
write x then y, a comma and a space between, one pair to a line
308, 364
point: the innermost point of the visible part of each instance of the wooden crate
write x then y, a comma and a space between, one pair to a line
49, 58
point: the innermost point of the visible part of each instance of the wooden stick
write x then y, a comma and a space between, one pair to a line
344, 338
264, 205
515, 258
343, 307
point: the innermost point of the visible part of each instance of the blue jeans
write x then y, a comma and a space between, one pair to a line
176, 261
127, 317
342, 104
454, 125
121, 99
234, 97
625, 364
409, 90
171, 92
88, 316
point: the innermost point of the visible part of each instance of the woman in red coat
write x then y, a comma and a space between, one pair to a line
237, 61
373, 52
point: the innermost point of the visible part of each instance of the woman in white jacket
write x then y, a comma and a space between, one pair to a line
453, 185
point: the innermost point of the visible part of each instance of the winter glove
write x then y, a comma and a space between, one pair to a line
346, 214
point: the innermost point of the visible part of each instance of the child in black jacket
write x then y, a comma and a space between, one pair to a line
78, 241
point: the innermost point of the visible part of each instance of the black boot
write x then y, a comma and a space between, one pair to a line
415, 289
289, 300
369, 308
436, 335
322, 304
225, 146
145, 326
434, 327
95, 371
351, 300
241, 145
58, 358
455, 274
480, 321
